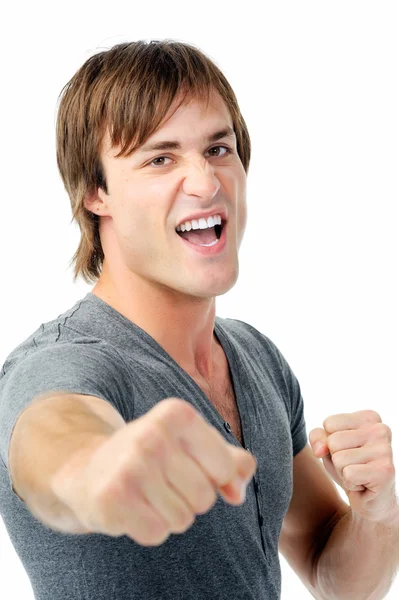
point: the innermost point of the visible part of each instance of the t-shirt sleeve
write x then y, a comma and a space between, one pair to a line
298, 424
82, 367
295, 402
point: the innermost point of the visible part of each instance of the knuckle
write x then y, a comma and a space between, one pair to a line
347, 475
130, 483
334, 442
386, 451
381, 431
157, 528
182, 521
153, 532
151, 431
205, 499
179, 408
153, 441
337, 459
387, 432
373, 416
389, 468
326, 423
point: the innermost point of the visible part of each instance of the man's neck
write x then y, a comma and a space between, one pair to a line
182, 327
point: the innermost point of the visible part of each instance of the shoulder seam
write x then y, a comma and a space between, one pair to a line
66, 318
258, 333
110, 346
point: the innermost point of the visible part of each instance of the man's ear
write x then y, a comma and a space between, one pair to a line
96, 202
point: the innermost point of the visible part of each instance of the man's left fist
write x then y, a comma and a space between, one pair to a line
356, 449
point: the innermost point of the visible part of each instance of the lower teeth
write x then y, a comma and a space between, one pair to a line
211, 244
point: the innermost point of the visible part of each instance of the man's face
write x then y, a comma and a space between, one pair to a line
151, 192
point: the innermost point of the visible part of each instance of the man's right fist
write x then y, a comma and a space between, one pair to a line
152, 477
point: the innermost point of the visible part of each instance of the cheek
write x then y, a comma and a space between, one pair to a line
133, 209
241, 206
241, 218
139, 226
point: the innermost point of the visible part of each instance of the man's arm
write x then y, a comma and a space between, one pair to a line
335, 554
360, 559
54, 431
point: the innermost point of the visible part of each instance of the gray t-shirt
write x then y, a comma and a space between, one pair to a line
231, 552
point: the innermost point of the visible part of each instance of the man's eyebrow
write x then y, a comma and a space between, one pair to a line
175, 145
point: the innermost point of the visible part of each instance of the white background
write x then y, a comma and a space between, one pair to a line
317, 83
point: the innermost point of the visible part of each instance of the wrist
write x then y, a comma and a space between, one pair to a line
388, 518
68, 480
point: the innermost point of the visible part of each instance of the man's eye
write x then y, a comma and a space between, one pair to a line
228, 151
158, 158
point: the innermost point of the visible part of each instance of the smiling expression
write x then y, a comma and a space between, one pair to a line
160, 186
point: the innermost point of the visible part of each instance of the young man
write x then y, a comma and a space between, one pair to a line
123, 418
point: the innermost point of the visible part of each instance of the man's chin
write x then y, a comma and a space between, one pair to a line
210, 289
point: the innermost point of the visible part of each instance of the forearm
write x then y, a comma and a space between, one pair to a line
48, 436
360, 559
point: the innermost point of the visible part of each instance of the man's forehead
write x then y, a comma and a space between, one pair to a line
165, 141
217, 126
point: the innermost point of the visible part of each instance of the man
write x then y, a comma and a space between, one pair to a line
122, 419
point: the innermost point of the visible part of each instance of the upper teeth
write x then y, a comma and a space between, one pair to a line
200, 224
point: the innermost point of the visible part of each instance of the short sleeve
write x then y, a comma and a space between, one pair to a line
83, 367
295, 404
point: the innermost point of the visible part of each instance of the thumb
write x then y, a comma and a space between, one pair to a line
246, 465
318, 442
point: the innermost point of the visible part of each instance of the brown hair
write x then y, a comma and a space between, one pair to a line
128, 89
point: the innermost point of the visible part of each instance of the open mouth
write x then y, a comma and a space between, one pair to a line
209, 242
219, 229
205, 232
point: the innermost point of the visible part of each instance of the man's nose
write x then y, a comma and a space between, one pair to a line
200, 179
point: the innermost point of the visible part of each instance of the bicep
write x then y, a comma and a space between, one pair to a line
81, 370
49, 431
99, 406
